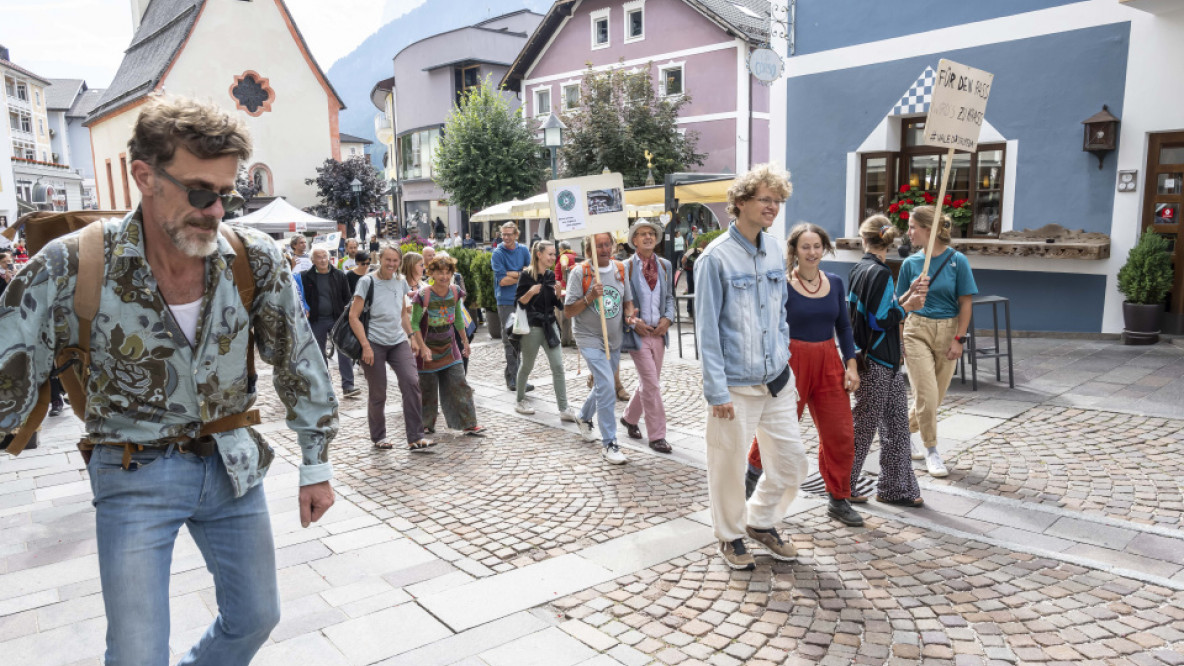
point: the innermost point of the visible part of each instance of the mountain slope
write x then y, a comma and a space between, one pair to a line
354, 75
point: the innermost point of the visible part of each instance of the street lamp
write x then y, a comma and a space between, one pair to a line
356, 186
553, 139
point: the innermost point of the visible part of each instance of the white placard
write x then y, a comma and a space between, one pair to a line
957, 107
588, 205
765, 65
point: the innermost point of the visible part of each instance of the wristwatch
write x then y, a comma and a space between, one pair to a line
962, 338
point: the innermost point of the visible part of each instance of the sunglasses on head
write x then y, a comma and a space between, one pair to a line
202, 199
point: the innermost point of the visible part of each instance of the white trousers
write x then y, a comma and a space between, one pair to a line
774, 421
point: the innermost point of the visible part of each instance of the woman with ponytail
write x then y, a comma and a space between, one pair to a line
881, 401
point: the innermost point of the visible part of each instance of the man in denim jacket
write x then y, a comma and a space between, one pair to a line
740, 297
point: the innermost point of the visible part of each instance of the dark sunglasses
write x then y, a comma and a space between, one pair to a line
202, 199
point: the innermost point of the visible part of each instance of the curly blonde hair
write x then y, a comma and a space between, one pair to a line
746, 185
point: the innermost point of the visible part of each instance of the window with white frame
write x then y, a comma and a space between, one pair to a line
670, 80
22, 92
634, 21
600, 28
571, 96
542, 101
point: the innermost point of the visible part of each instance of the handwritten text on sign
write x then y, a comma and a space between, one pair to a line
958, 105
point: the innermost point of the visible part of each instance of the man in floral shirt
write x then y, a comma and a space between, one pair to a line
169, 349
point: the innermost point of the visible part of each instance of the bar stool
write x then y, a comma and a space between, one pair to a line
975, 352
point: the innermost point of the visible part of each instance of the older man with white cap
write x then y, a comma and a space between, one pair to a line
653, 296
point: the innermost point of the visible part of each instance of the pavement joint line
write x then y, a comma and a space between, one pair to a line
1024, 548
1108, 521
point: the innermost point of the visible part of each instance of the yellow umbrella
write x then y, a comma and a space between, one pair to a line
703, 192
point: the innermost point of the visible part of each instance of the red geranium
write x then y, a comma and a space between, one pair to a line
901, 206
904, 188
893, 208
904, 215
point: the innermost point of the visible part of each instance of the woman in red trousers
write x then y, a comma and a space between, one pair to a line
817, 313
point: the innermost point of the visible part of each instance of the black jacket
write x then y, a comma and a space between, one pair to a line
875, 314
339, 297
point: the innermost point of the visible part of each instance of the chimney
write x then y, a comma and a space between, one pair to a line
4, 52
138, 9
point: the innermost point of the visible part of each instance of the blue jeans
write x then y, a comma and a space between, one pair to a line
603, 398
138, 513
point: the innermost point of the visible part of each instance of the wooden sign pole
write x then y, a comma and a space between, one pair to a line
603, 322
937, 217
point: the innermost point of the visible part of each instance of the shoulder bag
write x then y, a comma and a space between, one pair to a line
342, 334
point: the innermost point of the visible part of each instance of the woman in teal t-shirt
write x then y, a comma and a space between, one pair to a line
935, 334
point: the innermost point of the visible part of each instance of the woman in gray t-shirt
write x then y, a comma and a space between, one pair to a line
388, 342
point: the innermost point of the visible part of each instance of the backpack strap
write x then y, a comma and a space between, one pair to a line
72, 364
244, 281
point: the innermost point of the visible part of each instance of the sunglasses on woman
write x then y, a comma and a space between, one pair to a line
202, 199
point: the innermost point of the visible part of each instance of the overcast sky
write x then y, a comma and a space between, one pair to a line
85, 39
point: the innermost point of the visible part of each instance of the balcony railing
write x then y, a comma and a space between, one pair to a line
55, 165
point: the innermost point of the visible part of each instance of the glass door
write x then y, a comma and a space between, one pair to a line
1163, 201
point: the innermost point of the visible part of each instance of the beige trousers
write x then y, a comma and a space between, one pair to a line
774, 421
925, 344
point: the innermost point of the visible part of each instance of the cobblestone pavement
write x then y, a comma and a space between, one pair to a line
878, 595
1118, 465
524, 493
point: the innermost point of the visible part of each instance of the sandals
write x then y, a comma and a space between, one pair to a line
421, 446
910, 503
859, 499
475, 431
383, 445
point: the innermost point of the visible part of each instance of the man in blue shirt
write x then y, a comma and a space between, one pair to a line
740, 296
509, 258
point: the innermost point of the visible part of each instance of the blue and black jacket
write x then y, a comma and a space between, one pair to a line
875, 314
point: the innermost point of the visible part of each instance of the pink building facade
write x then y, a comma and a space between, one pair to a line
697, 48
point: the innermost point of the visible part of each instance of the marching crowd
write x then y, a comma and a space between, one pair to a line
184, 296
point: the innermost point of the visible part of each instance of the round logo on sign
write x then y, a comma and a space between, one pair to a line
566, 200
612, 301
765, 65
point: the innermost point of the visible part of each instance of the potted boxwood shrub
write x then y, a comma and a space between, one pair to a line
482, 269
1145, 280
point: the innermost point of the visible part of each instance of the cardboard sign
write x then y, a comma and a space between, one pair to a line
957, 107
587, 205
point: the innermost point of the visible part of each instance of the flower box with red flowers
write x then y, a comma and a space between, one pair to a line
908, 198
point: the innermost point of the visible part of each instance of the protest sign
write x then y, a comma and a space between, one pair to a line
954, 121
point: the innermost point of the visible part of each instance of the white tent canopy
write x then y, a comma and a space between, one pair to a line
497, 212
280, 216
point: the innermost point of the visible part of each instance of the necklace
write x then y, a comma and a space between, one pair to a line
806, 283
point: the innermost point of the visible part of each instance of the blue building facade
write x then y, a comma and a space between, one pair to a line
857, 92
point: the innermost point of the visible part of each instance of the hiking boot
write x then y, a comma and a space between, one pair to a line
569, 415
523, 407
917, 448
613, 455
937, 468
587, 430
750, 479
771, 540
840, 510
736, 555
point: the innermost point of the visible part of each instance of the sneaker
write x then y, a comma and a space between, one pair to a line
612, 454
771, 540
56, 409
529, 387
349, 393
569, 415
736, 555
840, 510
917, 446
523, 407
587, 430
936, 467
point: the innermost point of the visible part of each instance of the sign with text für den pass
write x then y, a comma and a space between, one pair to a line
957, 107
587, 205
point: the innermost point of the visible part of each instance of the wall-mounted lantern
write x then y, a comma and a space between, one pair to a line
1101, 133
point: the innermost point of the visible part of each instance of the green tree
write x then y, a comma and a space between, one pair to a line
487, 154
618, 118
338, 201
